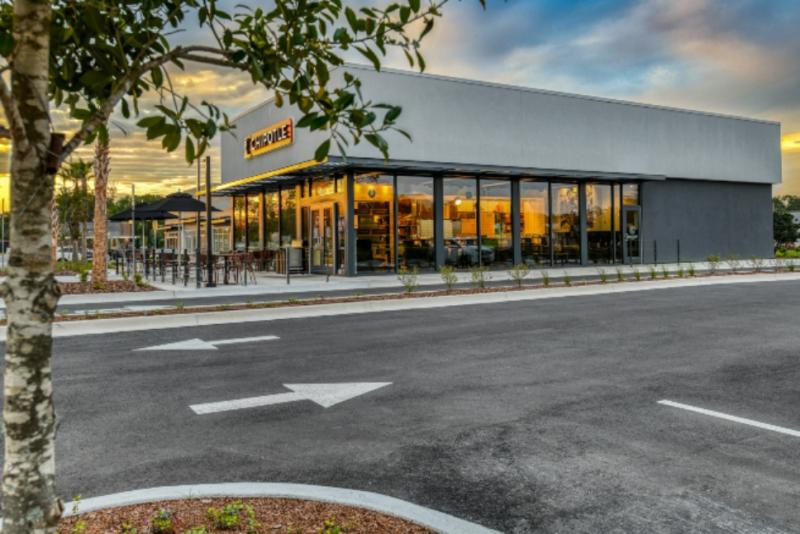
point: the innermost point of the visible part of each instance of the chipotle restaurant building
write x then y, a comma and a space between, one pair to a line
499, 175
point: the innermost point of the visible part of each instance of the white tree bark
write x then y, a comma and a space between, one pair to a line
29, 500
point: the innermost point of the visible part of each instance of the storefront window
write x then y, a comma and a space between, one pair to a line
534, 227
272, 223
321, 188
415, 242
460, 222
496, 233
253, 221
239, 227
630, 194
566, 223
288, 230
374, 222
598, 222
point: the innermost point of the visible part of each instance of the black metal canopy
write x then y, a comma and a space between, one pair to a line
180, 202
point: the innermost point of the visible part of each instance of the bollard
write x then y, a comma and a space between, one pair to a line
655, 252
288, 274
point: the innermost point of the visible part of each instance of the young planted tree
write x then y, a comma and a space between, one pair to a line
73, 202
93, 56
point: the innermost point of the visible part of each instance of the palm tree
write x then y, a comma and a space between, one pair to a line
100, 247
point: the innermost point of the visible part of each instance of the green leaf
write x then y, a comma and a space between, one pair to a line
370, 55
149, 122
189, 150
172, 139
322, 150
157, 76
392, 114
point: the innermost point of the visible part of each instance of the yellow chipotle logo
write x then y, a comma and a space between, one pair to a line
270, 138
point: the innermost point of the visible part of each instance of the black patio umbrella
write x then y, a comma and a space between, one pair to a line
143, 213
180, 202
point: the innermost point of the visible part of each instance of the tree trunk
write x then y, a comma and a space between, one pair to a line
100, 246
84, 215
30, 504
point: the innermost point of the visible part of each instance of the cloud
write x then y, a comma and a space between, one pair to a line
730, 56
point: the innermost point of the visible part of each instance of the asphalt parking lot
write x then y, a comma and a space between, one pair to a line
538, 416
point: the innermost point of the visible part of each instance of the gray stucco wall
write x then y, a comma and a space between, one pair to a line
454, 121
708, 217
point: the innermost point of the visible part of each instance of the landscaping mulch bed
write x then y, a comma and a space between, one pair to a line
272, 516
112, 286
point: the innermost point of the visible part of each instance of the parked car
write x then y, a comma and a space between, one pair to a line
464, 252
64, 253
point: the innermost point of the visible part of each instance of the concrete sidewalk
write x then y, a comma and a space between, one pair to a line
187, 320
313, 285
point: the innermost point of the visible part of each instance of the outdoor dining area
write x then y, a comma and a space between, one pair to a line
180, 264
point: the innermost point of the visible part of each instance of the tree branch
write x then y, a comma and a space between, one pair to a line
13, 116
102, 114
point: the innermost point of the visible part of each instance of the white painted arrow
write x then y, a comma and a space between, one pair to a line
326, 395
199, 344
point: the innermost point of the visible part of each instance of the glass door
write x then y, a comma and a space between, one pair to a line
321, 238
631, 230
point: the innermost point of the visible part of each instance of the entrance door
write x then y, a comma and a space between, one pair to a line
322, 239
631, 234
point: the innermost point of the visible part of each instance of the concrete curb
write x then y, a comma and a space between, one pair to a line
160, 322
437, 521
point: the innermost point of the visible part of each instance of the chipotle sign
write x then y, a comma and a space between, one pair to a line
270, 138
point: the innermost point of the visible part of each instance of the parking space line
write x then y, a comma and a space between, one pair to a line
735, 419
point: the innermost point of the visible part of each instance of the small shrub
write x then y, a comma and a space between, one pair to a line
790, 265
603, 275
479, 276
653, 273
98, 285
665, 272
449, 276
620, 274
713, 263
757, 264
196, 530
138, 280
83, 275
567, 279
519, 272
637, 274
332, 526
228, 518
691, 270
733, 263
179, 305
253, 526
79, 527
127, 528
161, 523
545, 277
409, 278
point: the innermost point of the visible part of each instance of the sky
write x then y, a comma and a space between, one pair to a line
739, 57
